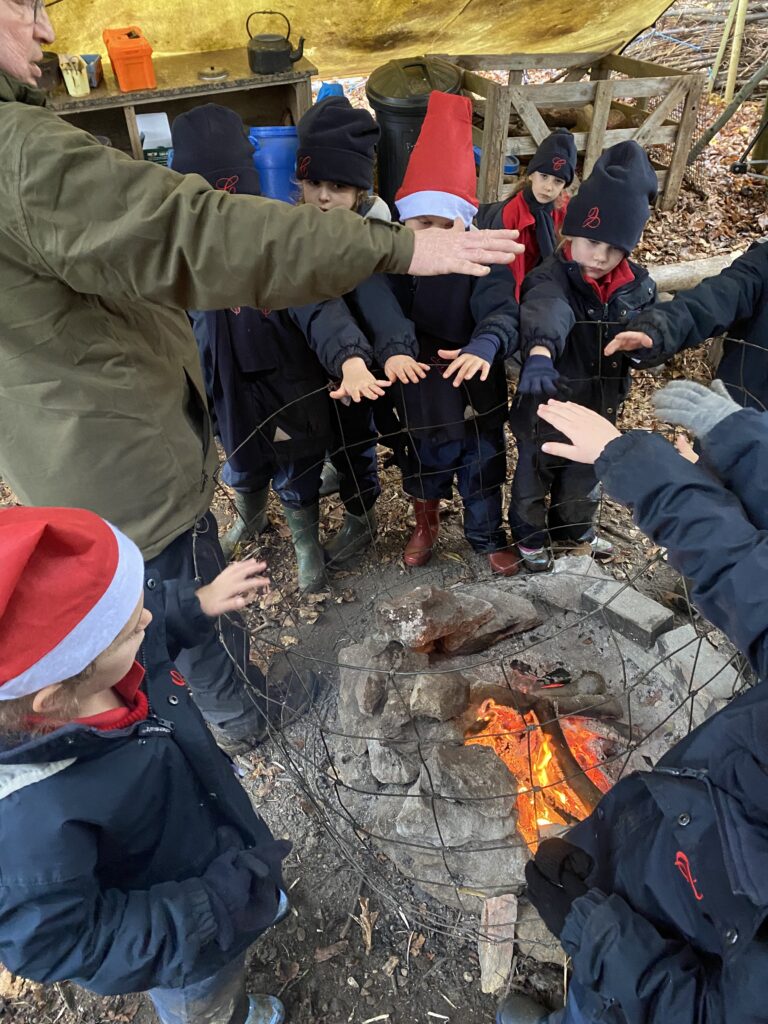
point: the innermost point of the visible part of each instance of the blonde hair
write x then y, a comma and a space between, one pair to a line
360, 198
19, 717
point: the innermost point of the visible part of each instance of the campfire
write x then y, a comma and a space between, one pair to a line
554, 763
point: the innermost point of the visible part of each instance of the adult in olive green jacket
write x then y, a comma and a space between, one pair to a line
101, 397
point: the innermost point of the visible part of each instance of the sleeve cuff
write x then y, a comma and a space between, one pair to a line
580, 912
544, 342
486, 346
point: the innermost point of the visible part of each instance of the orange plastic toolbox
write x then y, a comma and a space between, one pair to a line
131, 57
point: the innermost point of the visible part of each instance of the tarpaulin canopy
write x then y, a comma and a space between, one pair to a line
355, 36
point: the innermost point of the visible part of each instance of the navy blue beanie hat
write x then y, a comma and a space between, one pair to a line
556, 156
337, 143
212, 140
614, 203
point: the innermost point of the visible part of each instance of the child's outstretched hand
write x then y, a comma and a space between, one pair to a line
234, 588
405, 369
588, 431
357, 382
464, 365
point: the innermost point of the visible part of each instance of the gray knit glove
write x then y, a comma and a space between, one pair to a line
693, 406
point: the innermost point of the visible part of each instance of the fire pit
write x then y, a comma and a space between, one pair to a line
475, 721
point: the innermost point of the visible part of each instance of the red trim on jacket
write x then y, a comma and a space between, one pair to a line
605, 287
136, 707
516, 216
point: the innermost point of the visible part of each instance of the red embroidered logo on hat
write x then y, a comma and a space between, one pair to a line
228, 184
683, 865
592, 220
304, 166
558, 163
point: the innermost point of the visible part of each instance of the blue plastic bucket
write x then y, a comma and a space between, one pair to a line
511, 163
275, 159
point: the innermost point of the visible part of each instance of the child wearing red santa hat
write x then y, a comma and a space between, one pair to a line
451, 389
131, 858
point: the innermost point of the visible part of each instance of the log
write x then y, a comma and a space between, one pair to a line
674, 277
572, 772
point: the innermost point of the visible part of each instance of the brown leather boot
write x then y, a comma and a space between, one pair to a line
418, 550
505, 562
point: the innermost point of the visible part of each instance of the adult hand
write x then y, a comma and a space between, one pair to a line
234, 588
553, 901
588, 431
693, 406
405, 369
464, 365
539, 376
628, 341
437, 251
357, 382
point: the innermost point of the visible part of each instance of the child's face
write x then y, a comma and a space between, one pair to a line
330, 195
428, 221
596, 259
545, 187
113, 663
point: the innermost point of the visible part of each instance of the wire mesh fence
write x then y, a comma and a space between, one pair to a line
449, 798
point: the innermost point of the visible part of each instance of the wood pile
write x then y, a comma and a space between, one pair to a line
688, 35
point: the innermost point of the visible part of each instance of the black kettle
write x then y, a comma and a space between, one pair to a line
270, 54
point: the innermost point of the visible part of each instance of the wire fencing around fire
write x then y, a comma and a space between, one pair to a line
463, 716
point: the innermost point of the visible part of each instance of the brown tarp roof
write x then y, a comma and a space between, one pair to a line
355, 36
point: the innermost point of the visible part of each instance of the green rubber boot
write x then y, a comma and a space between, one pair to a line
304, 524
356, 534
251, 520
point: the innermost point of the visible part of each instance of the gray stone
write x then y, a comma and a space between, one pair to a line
511, 614
390, 765
628, 611
698, 665
441, 695
426, 821
533, 938
570, 577
422, 615
473, 774
375, 682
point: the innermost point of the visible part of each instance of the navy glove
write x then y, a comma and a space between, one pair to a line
555, 856
553, 901
539, 377
232, 882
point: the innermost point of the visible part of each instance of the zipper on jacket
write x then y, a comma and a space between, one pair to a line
154, 725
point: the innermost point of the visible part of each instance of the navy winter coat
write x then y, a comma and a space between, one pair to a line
735, 301
104, 837
562, 312
673, 929
266, 387
456, 311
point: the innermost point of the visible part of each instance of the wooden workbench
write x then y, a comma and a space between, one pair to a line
259, 99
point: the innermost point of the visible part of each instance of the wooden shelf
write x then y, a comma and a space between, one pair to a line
259, 99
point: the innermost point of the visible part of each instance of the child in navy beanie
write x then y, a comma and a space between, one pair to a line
212, 141
334, 170
537, 206
572, 305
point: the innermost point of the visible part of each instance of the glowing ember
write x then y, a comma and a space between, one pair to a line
545, 798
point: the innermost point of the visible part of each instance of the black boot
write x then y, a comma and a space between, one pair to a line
519, 1009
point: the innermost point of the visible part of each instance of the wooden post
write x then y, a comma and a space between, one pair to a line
685, 130
738, 38
601, 109
495, 131
723, 44
133, 132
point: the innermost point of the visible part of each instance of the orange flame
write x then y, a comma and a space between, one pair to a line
545, 800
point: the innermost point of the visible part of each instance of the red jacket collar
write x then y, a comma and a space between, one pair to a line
136, 707
608, 285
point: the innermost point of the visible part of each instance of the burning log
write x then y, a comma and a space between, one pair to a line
572, 771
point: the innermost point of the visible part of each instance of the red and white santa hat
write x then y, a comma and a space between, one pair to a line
440, 180
69, 583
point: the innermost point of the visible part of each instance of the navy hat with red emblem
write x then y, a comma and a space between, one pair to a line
614, 203
556, 156
212, 141
337, 143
